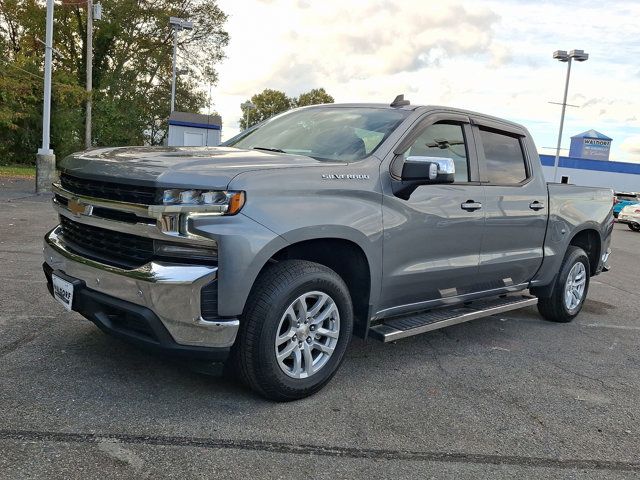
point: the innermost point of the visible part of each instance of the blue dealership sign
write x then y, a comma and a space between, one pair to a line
591, 145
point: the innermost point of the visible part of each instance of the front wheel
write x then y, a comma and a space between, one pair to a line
634, 226
570, 289
295, 330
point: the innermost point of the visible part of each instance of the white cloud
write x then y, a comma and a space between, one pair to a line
631, 147
493, 56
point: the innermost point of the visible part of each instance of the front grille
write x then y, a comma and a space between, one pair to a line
120, 192
107, 246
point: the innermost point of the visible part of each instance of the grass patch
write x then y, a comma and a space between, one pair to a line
17, 171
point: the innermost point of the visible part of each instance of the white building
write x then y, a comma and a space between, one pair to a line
588, 165
194, 130
619, 176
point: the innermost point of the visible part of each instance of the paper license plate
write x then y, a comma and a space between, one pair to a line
62, 291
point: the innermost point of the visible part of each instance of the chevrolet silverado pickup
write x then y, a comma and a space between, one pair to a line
270, 251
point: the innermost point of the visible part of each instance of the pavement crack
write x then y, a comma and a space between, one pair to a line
22, 341
321, 450
436, 357
617, 288
17, 344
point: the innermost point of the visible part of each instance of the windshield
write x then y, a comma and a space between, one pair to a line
324, 133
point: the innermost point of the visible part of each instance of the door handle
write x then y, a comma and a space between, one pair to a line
470, 206
536, 205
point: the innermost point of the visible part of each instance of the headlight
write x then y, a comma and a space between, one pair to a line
202, 201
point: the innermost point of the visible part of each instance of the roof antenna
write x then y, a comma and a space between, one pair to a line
400, 101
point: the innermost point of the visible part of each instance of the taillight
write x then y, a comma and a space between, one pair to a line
637, 210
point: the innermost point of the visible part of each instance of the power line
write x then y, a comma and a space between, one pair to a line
40, 77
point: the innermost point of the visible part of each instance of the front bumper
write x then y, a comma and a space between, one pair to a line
169, 292
628, 219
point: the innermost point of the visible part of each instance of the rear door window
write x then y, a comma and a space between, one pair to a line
504, 158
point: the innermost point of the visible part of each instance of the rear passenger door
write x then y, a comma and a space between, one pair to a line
515, 205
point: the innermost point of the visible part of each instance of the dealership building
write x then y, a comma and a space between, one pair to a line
588, 164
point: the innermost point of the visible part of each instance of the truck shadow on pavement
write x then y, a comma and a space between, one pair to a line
121, 364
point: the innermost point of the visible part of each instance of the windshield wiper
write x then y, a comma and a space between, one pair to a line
277, 150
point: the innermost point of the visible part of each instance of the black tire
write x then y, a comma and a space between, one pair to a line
553, 308
634, 226
254, 351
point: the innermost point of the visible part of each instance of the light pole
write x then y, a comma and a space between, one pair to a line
247, 106
89, 77
177, 24
563, 56
45, 159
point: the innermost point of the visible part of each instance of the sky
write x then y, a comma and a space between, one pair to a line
491, 56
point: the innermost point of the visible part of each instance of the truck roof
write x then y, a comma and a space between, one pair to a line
422, 108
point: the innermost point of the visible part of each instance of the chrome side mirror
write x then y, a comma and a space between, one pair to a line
422, 170
446, 166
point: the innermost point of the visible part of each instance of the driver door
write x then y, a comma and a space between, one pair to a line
432, 241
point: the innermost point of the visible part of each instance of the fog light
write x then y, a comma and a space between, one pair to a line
207, 253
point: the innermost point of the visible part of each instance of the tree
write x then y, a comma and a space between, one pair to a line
265, 105
314, 97
131, 70
271, 102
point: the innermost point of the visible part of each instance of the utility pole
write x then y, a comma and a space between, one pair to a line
89, 82
45, 158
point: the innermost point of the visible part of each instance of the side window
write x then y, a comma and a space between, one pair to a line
443, 140
504, 158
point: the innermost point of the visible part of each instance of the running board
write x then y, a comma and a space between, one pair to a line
406, 326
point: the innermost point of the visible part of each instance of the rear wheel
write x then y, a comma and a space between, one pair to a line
295, 330
570, 289
634, 226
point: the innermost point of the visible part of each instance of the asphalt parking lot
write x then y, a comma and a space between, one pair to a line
503, 397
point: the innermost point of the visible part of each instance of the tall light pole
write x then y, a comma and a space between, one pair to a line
45, 159
563, 56
177, 24
248, 106
89, 81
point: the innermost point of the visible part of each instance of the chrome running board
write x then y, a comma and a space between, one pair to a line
399, 327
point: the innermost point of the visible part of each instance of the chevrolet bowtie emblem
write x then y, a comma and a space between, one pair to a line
76, 207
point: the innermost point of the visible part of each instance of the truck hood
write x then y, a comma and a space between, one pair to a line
207, 167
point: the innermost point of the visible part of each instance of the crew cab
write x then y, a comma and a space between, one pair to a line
270, 251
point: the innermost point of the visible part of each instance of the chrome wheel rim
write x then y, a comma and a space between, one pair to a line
574, 288
307, 334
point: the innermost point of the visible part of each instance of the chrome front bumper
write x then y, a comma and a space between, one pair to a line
169, 290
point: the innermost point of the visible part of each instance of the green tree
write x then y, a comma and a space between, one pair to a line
265, 105
314, 97
271, 102
131, 70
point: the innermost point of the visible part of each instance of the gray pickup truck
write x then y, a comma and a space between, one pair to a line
270, 251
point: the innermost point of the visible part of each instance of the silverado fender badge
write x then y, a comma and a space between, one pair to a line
344, 176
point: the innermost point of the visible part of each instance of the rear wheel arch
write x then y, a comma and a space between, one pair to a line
588, 240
